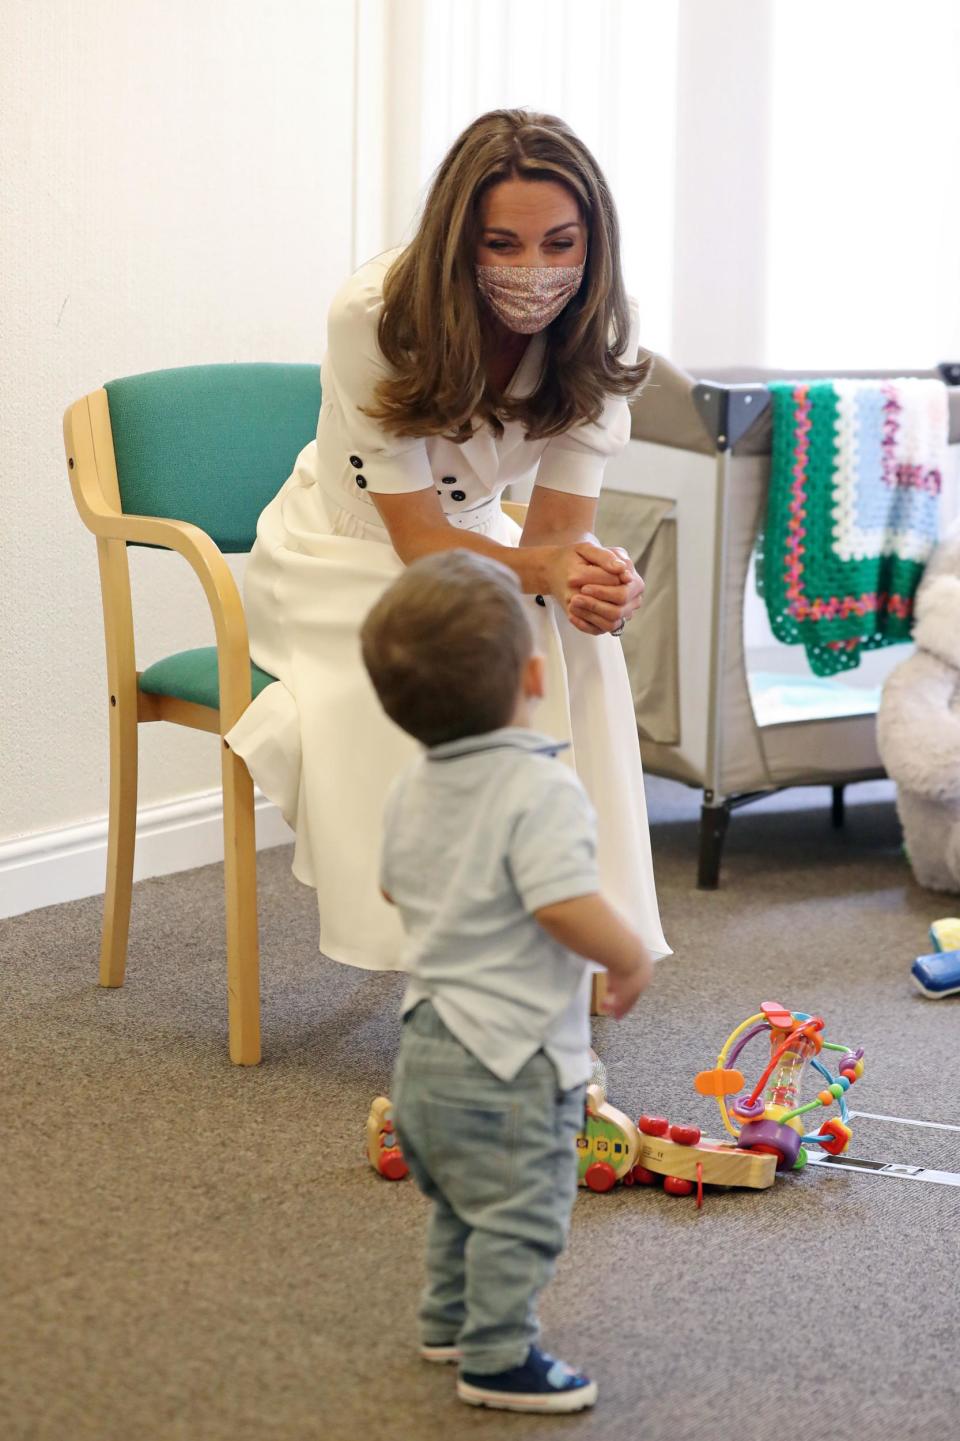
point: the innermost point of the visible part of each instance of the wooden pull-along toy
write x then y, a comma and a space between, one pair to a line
611, 1148
765, 1121
383, 1149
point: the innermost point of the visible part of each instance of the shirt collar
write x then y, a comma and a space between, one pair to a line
507, 738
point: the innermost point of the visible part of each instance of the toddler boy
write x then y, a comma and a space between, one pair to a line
489, 853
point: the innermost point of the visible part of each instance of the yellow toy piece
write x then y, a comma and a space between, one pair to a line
383, 1150
718, 1082
945, 934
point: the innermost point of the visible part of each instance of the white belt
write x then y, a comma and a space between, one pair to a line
365, 510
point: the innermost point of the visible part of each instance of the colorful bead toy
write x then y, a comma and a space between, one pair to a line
767, 1118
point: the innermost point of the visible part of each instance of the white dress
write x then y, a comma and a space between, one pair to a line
318, 744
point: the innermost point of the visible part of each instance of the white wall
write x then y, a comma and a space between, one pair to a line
177, 184
723, 97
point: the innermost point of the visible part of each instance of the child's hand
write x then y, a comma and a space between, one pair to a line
592, 928
624, 989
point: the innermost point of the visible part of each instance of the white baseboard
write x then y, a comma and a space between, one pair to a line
65, 865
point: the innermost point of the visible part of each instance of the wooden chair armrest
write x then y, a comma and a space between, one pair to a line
103, 517
208, 563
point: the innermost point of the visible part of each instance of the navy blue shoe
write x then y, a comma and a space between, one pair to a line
938, 975
540, 1384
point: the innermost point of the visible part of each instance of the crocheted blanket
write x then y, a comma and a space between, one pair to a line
856, 472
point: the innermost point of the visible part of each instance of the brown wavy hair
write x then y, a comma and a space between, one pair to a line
435, 330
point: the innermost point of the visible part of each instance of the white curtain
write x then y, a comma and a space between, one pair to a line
784, 169
864, 200
608, 68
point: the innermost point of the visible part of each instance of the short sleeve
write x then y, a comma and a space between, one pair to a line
575, 461
353, 367
553, 847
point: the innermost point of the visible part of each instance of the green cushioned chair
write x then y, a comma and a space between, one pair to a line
186, 460
193, 675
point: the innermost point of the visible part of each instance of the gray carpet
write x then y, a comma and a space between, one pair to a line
193, 1252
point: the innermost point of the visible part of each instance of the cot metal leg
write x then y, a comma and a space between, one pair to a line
714, 819
837, 809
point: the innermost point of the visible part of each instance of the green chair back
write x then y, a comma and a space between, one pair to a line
211, 444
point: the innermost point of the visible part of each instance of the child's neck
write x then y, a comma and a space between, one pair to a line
521, 713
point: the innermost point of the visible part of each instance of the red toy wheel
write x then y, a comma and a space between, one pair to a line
392, 1165
654, 1125
640, 1176
600, 1176
677, 1186
685, 1135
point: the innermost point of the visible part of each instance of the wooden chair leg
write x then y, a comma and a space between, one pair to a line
240, 881
121, 838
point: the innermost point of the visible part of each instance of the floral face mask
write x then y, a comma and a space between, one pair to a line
527, 297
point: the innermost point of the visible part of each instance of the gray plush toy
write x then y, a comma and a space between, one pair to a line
918, 726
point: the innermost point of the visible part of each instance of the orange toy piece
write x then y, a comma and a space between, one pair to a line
719, 1082
778, 1016
383, 1150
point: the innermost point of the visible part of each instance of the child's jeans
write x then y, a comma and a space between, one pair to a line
498, 1160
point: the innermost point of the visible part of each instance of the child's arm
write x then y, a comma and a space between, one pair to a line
590, 926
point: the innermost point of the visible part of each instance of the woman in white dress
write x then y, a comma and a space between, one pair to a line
497, 347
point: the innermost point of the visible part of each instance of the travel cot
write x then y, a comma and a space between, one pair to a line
720, 704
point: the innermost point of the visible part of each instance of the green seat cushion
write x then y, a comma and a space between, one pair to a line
192, 675
211, 444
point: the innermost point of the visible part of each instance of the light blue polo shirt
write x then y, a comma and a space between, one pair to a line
479, 834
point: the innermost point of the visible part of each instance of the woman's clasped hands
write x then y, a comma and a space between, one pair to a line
597, 585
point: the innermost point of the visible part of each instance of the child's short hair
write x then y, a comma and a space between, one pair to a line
445, 646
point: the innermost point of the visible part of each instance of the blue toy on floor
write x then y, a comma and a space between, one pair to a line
938, 975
